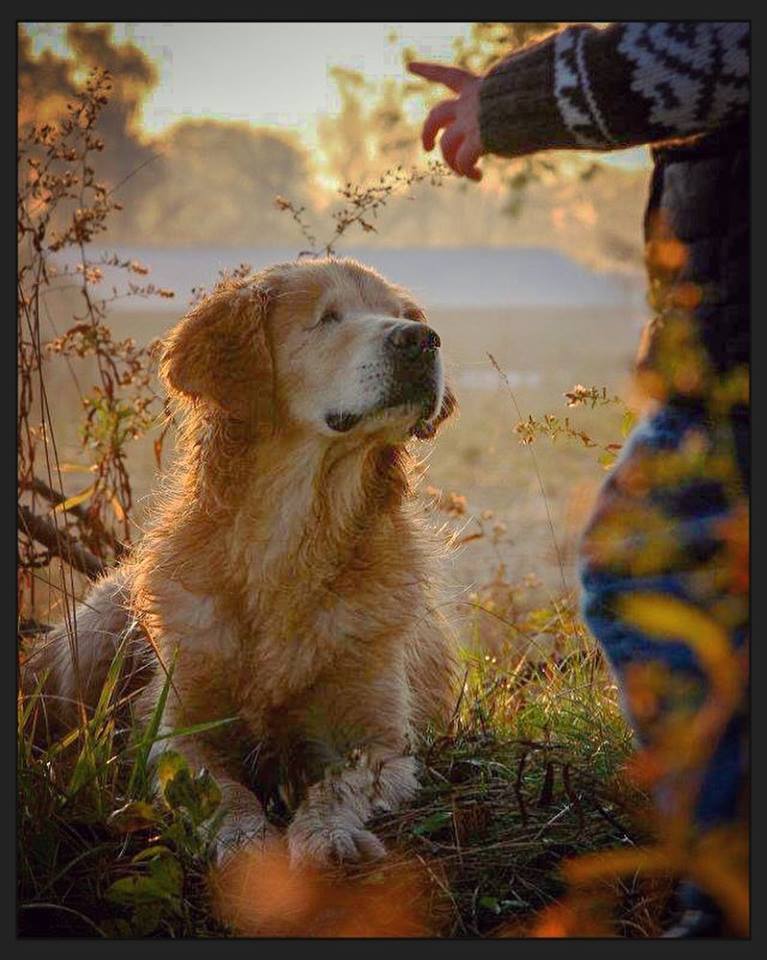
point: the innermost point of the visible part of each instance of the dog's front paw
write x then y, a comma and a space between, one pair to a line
332, 843
235, 834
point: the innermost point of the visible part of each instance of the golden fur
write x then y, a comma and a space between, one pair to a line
288, 574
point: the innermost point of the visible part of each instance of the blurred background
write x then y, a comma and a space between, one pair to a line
539, 265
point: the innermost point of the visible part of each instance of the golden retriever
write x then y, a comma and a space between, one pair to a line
287, 576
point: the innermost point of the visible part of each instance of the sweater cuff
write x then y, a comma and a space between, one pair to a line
518, 110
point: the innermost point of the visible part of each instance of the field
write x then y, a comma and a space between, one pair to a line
539, 495
529, 773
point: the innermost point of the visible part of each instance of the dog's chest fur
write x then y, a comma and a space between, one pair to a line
326, 620
274, 629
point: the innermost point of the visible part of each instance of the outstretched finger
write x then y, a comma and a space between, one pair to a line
466, 160
453, 77
439, 116
450, 143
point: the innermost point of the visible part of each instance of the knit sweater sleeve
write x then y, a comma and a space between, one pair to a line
619, 86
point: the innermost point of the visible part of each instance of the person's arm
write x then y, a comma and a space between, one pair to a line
594, 88
620, 86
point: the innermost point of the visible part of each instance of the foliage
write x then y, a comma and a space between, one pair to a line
98, 853
528, 773
554, 427
61, 208
361, 204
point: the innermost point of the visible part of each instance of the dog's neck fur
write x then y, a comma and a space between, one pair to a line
321, 504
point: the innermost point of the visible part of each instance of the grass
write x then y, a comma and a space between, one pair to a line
528, 774
98, 855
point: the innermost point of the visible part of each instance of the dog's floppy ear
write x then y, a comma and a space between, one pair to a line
219, 351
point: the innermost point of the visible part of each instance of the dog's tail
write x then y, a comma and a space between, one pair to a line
65, 670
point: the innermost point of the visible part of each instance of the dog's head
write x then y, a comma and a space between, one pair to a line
326, 346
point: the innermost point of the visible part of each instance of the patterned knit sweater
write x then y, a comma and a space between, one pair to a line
615, 87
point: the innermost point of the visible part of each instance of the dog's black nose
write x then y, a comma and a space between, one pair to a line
413, 340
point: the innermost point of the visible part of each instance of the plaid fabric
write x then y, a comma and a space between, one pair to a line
671, 524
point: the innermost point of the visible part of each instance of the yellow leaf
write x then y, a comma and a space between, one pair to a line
668, 619
76, 468
74, 500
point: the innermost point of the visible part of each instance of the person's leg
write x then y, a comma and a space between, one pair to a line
660, 534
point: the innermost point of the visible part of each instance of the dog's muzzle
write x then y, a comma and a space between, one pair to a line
412, 377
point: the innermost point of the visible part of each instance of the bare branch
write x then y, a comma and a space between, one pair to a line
56, 497
60, 543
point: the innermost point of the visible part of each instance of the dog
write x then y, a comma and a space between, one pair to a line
287, 578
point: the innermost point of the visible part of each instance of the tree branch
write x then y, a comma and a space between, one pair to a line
55, 497
60, 543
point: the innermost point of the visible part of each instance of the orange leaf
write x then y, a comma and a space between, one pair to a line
117, 507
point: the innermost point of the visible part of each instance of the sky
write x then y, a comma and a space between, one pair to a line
266, 73
271, 74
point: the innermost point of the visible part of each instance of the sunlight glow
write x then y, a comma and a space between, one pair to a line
272, 74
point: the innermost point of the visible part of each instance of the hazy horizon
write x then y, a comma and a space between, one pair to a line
461, 277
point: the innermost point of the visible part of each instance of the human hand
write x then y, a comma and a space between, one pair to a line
461, 143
